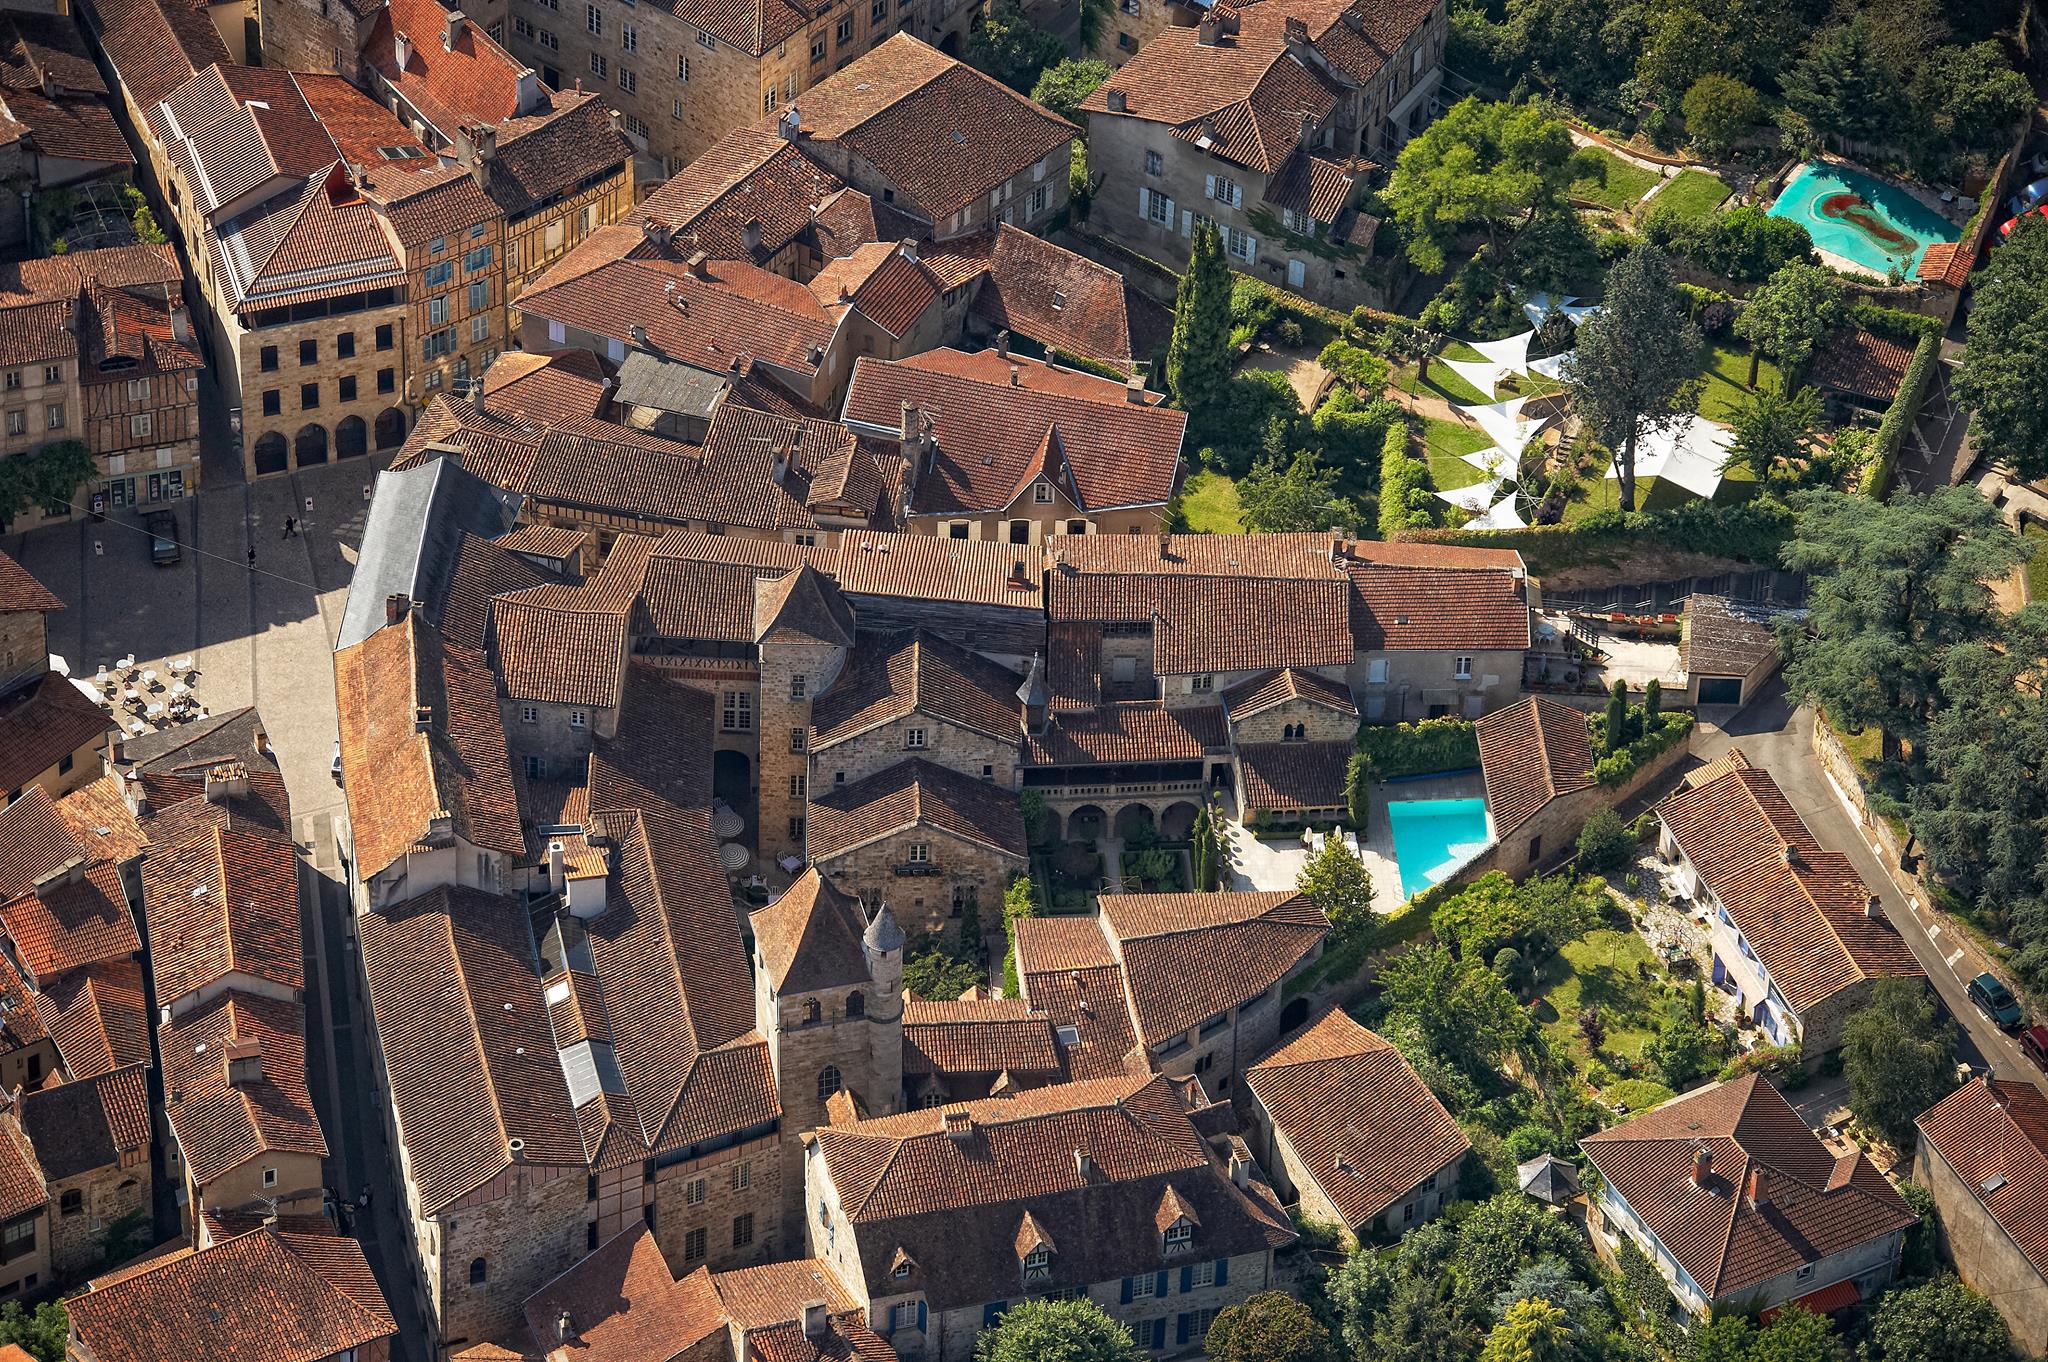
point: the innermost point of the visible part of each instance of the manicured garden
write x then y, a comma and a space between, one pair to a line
1692, 194
1624, 186
1613, 972
1209, 501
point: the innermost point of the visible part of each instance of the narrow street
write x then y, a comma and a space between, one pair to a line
1780, 739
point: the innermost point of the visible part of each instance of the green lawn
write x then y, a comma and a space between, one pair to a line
1692, 194
1726, 370
1445, 382
1626, 182
1445, 441
2036, 536
1603, 969
1209, 500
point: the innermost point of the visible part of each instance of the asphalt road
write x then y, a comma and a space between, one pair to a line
1780, 739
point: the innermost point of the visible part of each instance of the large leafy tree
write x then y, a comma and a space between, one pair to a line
1843, 88
1056, 1331
1939, 1321
1062, 87
1008, 46
1454, 1012
1982, 807
1338, 883
1892, 586
1773, 427
2000, 376
1297, 495
1681, 43
1198, 355
1484, 165
41, 1332
1972, 97
1271, 1326
1790, 315
1530, 1331
1718, 109
1632, 370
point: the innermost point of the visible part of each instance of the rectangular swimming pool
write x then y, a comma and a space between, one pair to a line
1433, 837
1875, 224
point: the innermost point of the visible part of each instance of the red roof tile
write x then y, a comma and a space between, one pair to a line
891, 677
470, 80
1994, 1133
42, 724
99, 1017
625, 1305
913, 794
1132, 732
73, 922
982, 1036
219, 1126
223, 903
1288, 777
1188, 957
1532, 752
20, 591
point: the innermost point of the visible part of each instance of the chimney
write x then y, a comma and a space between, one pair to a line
181, 324
1019, 580
244, 1060
1296, 34
1084, 1166
639, 335
515, 1146
486, 141
1134, 390
422, 718
617, 119
1165, 548
261, 742
395, 607
907, 248
451, 31
70, 872
750, 235
1016, 377
1998, 1097
527, 98
817, 1319
401, 49
440, 829
959, 1125
1003, 343
1240, 1169
1873, 908
557, 866
1759, 1194
225, 781
790, 124
694, 267
1209, 30
1308, 132
134, 796
1702, 1166
1791, 854
565, 1328
1116, 101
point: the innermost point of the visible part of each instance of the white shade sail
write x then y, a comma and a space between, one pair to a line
1480, 374
1502, 515
1502, 421
1511, 354
1495, 462
1690, 453
1477, 497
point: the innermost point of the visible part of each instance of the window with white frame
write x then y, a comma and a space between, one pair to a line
1179, 1235
1038, 1262
914, 738
629, 38
1041, 493
595, 20
1223, 189
1158, 208
1144, 1285
628, 82
579, 718
1243, 245
920, 853
1462, 669
1155, 164
1202, 1274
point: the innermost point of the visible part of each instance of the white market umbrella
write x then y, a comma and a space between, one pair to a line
1477, 497
1481, 375
1511, 354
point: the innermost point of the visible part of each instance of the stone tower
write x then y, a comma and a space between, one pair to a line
831, 1006
802, 631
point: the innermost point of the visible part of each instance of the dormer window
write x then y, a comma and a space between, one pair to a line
1180, 1236
1042, 493
902, 1272
1038, 1263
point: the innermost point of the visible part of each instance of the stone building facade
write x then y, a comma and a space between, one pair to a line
314, 35
92, 1142
804, 631
1990, 1133
929, 872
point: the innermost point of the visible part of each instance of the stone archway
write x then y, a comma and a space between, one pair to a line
950, 44
1133, 817
271, 453
390, 428
1293, 1015
309, 446
351, 437
1086, 823
1177, 823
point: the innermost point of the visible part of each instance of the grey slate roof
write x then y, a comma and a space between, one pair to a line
416, 523
648, 380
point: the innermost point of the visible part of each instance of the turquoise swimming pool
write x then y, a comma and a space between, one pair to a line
1433, 837
1875, 224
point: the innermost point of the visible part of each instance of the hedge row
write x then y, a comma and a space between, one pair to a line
1749, 531
1345, 957
1898, 421
1616, 767
1407, 492
1895, 323
1420, 748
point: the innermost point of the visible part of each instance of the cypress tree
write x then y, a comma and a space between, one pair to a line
1617, 717
1653, 699
1198, 357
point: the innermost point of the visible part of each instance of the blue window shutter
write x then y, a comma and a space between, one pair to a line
1159, 1332
1222, 1272
1159, 1290
990, 1313
920, 1315
1187, 1278
1127, 1291
1180, 1328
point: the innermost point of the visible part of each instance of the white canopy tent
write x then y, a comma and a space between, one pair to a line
1690, 453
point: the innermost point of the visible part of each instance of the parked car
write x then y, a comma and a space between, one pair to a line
2037, 192
2038, 210
163, 538
2034, 1045
1996, 1000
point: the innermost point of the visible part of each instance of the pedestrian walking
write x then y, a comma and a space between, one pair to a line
363, 1200
289, 523
252, 558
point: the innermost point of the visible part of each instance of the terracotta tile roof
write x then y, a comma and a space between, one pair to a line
915, 672
1143, 730
88, 1123
883, 281
20, 591
220, 1127
925, 567
546, 387
1732, 760
454, 987
76, 128
1315, 185
1398, 607
953, 1200
996, 438
1366, 1127
23, 1188
566, 644
754, 177
40, 48
1994, 1133
1267, 689
1861, 364
135, 326
26, 1014
1187, 957
810, 937
625, 1305
41, 724
399, 779
1803, 916
722, 313
156, 46
913, 794
99, 1018
982, 1036
31, 333
62, 276
555, 153
1819, 1205
1241, 603
321, 242
99, 820
544, 541
35, 840
1037, 289
171, 767
1531, 753
775, 1293
471, 80
263, 1296
1293, 776
753, 26
71, 923
1726, 637
232, 129
1089, 998
942, 133
221, 904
